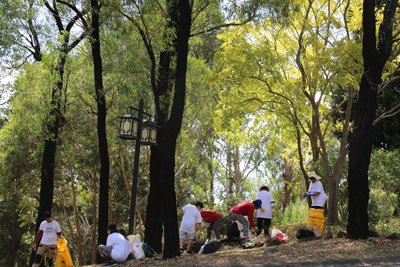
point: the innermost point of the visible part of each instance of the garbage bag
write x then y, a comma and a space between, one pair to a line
316, 217
63, 257
136, 245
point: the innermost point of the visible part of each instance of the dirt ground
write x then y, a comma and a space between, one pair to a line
292, 251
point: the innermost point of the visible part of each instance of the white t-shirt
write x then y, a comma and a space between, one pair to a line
321, 198
120, 249
50, 231
190, 218
267, 202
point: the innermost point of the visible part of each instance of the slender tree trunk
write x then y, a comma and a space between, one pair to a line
49, 152
94, 215
361, 144
77, 224
101, 125
229, 169
287, 177
236, 166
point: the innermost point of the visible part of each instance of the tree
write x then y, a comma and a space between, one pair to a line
291, 70
375, 54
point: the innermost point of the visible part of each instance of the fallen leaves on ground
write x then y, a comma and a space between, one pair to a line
291, 251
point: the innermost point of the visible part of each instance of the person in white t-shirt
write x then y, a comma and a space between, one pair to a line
45, 243
316, 192
264, 214
191, 219
117, 248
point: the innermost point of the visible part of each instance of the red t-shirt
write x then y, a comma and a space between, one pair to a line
246, 209
210, 216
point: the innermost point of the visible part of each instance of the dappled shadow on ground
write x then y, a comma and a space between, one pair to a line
290, 252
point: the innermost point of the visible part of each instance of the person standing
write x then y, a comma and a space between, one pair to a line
316, 191
318, 196
264, 214
245, 208
117, 247
45, 243
214, 219
191, 219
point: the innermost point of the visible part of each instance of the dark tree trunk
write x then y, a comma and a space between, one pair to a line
153, 230
49, 152
173, 127
361, 143
101, 126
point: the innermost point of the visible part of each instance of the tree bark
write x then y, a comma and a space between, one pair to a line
287, 177
101, 126
361, 144
182, 19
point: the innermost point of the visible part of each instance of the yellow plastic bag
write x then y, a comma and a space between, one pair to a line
316, 217
63, 257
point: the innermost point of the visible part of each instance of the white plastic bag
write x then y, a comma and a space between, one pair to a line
277, 233
240, 227
136, 245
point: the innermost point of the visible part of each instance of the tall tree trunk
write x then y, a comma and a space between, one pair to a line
49, 152
101, 125
76, 216
229, 169
361, 144
173, 127
236, 167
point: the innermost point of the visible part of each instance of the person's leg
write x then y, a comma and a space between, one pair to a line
267, 224
216, 226
260, 223
182, 237
190, 237
189, 245
51, 254
245, 223
209, 229
40, 253
105, 251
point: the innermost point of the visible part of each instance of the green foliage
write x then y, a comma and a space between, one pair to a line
384, 200
296, 212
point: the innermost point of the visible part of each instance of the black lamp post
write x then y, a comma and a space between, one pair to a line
145, 133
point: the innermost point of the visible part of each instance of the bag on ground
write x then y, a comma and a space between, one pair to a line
233, 230
136, 245
209, 248
278, 233
304, 233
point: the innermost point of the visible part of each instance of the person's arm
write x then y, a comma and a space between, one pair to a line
180, 212
37, 239
251, 220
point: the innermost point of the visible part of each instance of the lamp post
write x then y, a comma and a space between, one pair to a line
145, 133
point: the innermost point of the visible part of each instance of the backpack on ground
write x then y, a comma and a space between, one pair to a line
303, 233
233, 230
149, 252
209, 248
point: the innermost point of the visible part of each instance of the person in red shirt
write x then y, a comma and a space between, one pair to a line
245, 209
214, 219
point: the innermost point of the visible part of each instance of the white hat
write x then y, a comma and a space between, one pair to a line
313, 174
